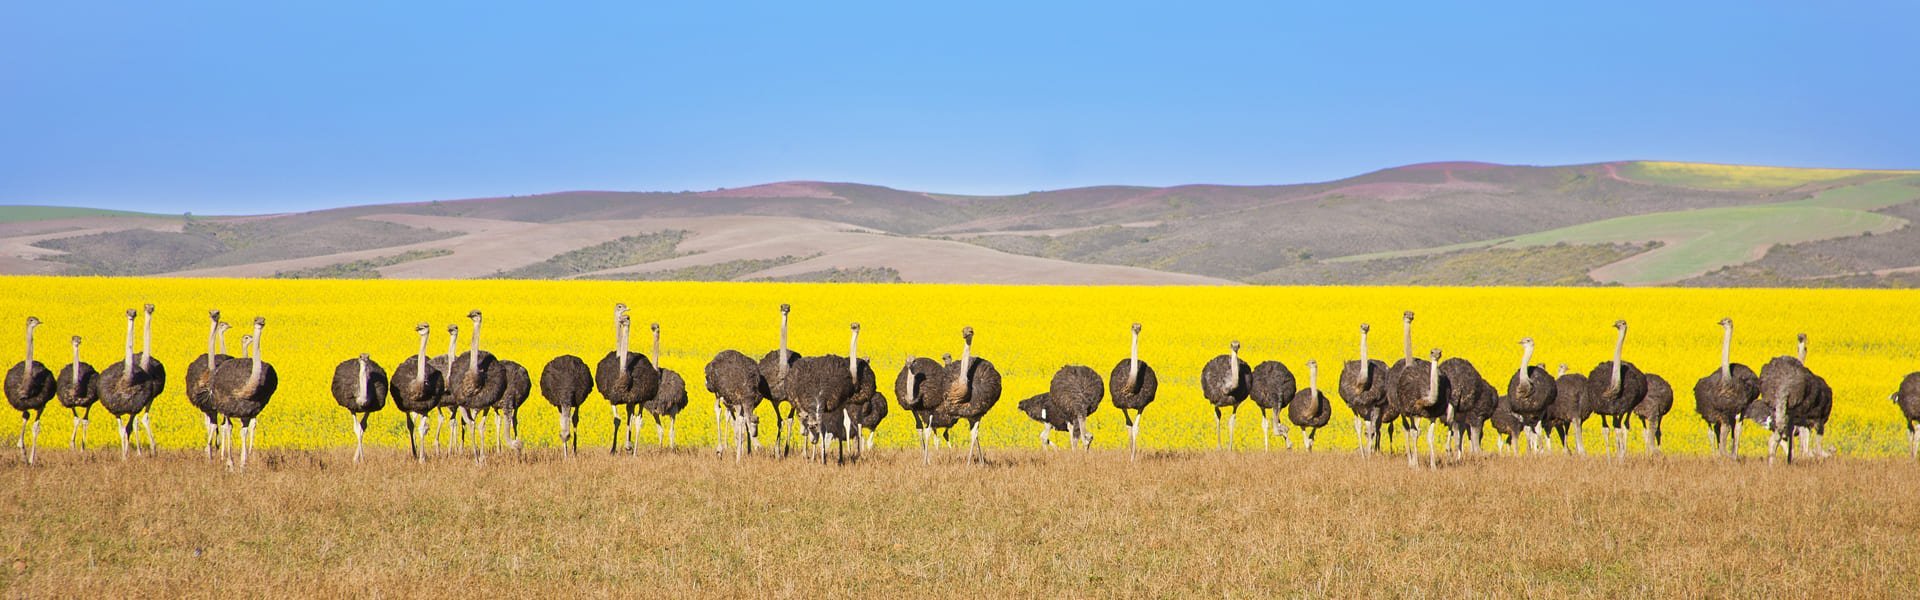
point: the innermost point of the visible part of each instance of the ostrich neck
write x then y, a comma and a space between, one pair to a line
453, 348
1365, 368
1526, 356
473, 357
76, 361
783, 344
620, 344
853, 356
253, 379
656, 349
1313, 381
29, 360
1619, 345
213, 333
913, 382
420, 361
1726, 351
146, 346
1803, 353
361, 395
1232, 377
1406, 342
966, 362
1433, 381
126, 371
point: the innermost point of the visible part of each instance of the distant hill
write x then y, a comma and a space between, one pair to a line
1633, 222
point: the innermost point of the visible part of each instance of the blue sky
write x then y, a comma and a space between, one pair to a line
223, 107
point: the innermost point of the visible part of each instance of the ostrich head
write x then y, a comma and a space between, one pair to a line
259, 322
224, 326
1365, 328
474, 314
1620, 324
453, 330
33, 322
1563, 370
1136, 329
1526, 341
966, 333
422, 329
76, 341
1726, 321
363, 357
946, 358
214, 315
1407, 316
1435, 354
149, 309
131, 314
655, 327
1235, 345
786, 308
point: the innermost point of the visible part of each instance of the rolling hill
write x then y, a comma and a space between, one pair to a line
1632, 223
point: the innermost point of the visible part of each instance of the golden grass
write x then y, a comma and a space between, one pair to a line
1031, 524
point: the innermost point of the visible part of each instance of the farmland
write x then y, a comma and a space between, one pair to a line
1861, 341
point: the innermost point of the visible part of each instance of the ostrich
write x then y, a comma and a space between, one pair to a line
1820, 408
625, 380
1224, 383
417, 385
475, 384
517, 387
1075, 393
1788, 392
78, 387
868, 415
776, 369
1272, 386
1569, 410
1309, 410
1724, 395
360, 386
1040, 407
1408, 367
821, 387
443, 406
668, 399
734, 380
125, 390
1613, 389
200, 375
1363, 386
1508, 424
972, 388
919, 390
1421, 392
1908, 399
29, 386
1133, 386
1531, 392
867, 408
565, 383
156, 380
1470, 402
242, 388
1653, 408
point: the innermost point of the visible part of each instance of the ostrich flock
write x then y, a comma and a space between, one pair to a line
826, 399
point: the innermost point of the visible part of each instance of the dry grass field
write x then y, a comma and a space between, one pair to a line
1030, 524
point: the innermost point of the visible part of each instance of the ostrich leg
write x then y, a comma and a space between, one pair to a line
1219, 437
33, 448
1413, 447
1433, 454
1266, 429
125, 425
73, 439
146, 421
1233, 417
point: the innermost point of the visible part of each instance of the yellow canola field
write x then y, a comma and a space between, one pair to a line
1861, 342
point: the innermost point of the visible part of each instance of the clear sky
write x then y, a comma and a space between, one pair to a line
223, 107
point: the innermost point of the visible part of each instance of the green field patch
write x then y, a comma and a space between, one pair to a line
15, 213
1698, 241
1867, 196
